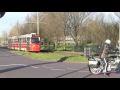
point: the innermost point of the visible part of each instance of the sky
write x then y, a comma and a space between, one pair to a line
10, 18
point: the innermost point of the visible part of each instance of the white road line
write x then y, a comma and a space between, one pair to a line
47, 67
34, 67
17, 65
58, 69
72, 69
14, 65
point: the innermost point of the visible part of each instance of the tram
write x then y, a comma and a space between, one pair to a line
27, 42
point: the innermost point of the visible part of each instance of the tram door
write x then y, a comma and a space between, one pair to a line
28, 43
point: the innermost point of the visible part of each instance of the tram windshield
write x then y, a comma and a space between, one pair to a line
35, 40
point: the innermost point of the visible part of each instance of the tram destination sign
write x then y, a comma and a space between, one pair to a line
35, 35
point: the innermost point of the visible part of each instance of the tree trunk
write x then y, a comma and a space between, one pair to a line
49, 46
44, 44
64, 44
56, 45
76, 42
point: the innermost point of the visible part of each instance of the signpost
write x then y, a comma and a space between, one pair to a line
87, 52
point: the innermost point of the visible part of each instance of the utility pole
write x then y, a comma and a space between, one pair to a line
119, 38
37, 22
17, 28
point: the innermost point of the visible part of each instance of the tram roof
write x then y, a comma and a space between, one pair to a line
20, 36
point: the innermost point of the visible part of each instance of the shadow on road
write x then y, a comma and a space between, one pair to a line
59, 61
21, 67
70, 72
63, 59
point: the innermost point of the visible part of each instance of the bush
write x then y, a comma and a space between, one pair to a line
80, 48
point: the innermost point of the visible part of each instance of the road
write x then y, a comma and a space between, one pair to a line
17, 66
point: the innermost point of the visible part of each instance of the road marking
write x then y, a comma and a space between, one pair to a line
17, 65
72, 69
58, 69
47, 67
34, 67
83, 71
14, 65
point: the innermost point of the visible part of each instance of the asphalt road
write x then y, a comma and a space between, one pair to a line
17, 66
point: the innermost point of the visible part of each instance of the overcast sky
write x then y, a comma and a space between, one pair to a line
11, 18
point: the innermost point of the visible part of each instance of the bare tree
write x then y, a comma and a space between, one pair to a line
100, 30
117, 14
63, 18
76, 20
54, 28
4, 38
50, 28
13, 31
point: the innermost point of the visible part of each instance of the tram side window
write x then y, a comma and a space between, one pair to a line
24, 40
12, 40
28, 40
21, 40
9, 41
15, 40
18, 39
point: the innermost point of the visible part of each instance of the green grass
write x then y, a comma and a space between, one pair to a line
80, 48
60, 47
77, 59
60, 56
68, 48
52, 56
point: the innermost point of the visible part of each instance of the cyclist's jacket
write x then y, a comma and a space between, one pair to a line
104, 50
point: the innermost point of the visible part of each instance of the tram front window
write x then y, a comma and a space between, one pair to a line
35, 40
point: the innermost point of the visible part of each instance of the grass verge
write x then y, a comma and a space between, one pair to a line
52, 56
